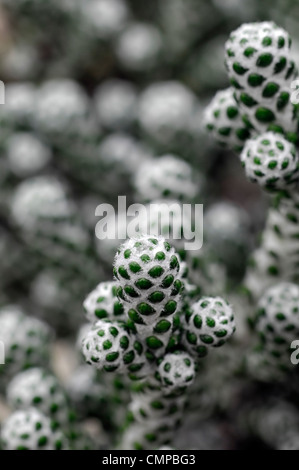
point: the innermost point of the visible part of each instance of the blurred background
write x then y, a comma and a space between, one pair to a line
93, 89
98, 92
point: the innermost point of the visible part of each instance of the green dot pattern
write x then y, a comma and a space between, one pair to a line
27, 341
31, 430
103, 303
169, 177
152, 294
223, 121
276, 257
278, 320
155, 419
108, 346
270, 161
37, 387
208, 323
260, 69
176, 372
